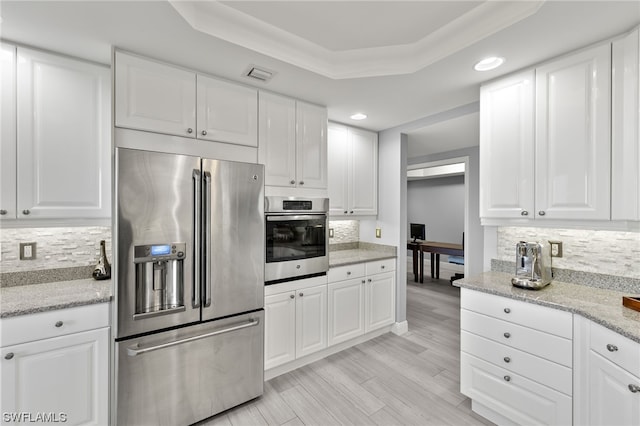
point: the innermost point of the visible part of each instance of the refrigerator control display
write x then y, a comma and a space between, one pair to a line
160, 250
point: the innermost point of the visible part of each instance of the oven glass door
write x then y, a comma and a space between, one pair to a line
295, 237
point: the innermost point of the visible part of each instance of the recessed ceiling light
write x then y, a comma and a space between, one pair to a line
489, 63
359, 116
259, 73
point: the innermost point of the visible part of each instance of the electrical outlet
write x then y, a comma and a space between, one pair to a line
330, 232
27, 251
378, 232
556, 248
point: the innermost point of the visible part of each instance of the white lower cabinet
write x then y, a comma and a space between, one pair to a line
61, 379
295, 322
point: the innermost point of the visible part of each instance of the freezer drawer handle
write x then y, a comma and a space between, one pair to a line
135, 350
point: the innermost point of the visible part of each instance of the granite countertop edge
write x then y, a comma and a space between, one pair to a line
608, 303
353, 256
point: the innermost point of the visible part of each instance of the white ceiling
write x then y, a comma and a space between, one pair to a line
346, 32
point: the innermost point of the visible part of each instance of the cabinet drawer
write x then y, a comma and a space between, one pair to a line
43, 325
616, 348
547, 346
519, 399
538, 317
545, 372
346, 272
380, 266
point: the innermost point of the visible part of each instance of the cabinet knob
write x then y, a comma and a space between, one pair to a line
26, 212
301, 182
363, 281
507, 335
351, 212
3, 212
292, 182
507, 378
348, 272
345, 212
204, 133
507, 310
59, 324
507, 359
369, 279
189, 130
612, 348
301, 294
634, 388
524, 213
381, 266
291, 296
10, 356
541, 213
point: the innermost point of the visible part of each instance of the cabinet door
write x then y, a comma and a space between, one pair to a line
346, 310
363, 175
7, 132
380, 301
227, 112
153, 96
625, 149
277, 139
67, 375
611, 400
279, 329
573, 141
64, 146
311, 146
338, 170
507, 147
311, 320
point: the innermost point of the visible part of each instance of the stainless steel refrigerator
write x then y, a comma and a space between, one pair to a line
189, 296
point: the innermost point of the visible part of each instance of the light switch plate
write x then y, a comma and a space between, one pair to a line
27, 251
378, 232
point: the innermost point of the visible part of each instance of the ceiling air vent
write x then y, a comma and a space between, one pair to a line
260, 74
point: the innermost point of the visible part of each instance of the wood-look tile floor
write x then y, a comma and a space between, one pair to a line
413, 379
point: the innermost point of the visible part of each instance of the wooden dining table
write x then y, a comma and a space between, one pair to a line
435, 248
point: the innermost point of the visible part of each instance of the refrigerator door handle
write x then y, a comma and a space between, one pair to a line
197, 220
135, 350
207, 239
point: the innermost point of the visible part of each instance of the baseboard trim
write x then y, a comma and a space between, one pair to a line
400, 328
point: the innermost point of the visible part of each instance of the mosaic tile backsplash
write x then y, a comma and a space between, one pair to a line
55, 247
344, 231
604, 252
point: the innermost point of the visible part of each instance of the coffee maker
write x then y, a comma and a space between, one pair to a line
533, 265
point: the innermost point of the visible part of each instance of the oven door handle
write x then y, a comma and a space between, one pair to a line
288, 218
135, 350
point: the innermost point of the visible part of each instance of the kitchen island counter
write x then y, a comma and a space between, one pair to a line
599, 305
30, 299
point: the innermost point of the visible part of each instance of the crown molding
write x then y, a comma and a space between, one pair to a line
224, 22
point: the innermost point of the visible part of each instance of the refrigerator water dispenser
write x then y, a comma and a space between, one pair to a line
159, 279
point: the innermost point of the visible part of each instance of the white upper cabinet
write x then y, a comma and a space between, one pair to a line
63, 137
625, 185
507, 147
292, 142
353, 171
227, 112
7, 132
153, 96
573, 136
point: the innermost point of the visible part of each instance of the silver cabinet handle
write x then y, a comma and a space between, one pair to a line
507, 335
10, 356
197, 235
59, 324
137, 350
301, 294
3, 212
189, 130
507, 378
524, 213
612, 348
301, 182
292, 182
204, 133
541, 213
507, 310
633, 388
26, 212
292, 296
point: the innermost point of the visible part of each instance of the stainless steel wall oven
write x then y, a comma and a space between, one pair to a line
296, 242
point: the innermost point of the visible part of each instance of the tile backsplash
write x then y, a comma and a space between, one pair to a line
604, 252
344, 231
56, 247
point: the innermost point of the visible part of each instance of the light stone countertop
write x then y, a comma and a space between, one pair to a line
30, 299
359, 255
599, 305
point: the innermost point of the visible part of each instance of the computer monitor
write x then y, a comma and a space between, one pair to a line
417, 231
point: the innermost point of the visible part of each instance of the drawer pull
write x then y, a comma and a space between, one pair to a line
507, 335
10, 356
634, 388
612, 348
507, 310
369, 279
382, 267
507, 378
363, 281
291, 296
59, 324
348, 272
301, 294
507, 359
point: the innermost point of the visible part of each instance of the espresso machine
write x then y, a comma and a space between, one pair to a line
533, 265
